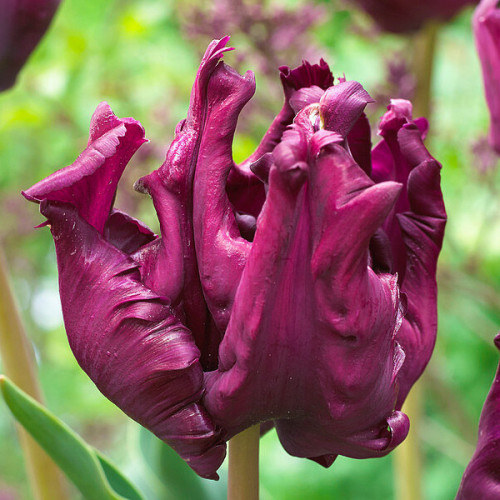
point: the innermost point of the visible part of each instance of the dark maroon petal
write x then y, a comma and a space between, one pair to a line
221, 251
301, 86
295, 312
402, 16
171, 187
304, 97
130, 342
89, 183
482, 476
22, 25
342, 105
126, 233
416, 229
360, 144
306, 75
294, 81
412, 233
390, 164
486, 25
423, 230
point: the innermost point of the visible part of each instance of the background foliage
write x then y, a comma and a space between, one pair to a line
141, 56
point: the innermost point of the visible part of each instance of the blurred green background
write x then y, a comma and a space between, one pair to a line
141, 57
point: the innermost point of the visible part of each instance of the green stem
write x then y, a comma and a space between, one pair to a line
19, 364
243, 480
424, 48
407, 457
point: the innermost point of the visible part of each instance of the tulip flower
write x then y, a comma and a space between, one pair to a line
403, 16
482, 476
278, 289
22, 25
486, 24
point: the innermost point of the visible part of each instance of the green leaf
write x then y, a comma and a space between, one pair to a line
91, 473
176, 478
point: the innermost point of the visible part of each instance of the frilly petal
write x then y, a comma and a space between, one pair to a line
301, 86
89, 184
172, 266
294, 315
221, 251
415, 230
130, 341
294, 81
342, 105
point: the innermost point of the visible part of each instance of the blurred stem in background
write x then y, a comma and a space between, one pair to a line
243, 475
408, 457
19, 365
424, 47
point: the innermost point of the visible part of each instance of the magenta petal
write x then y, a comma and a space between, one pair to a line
22, 25
89, 184
301, 86
172, 268
130, 342
294, 315
342, 105
360, 144
486, 24
482, 476
415, 230
221, 251
295, 81
126, 233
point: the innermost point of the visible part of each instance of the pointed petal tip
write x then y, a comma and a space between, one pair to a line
217, 48
42, 224
324, 460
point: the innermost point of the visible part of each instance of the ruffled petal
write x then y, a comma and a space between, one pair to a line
295, 82
342, 105
89, 183
125, 326
295, 313
130, 342
414, 230
221, 251
482, 476
301, 86
171, 187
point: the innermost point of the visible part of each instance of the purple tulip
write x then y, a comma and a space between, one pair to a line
403, 16
278, 287
22, 25
482, 476
486, 23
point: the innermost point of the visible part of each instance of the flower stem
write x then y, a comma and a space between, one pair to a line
243, 481
408, 456
19, 365
424, 47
